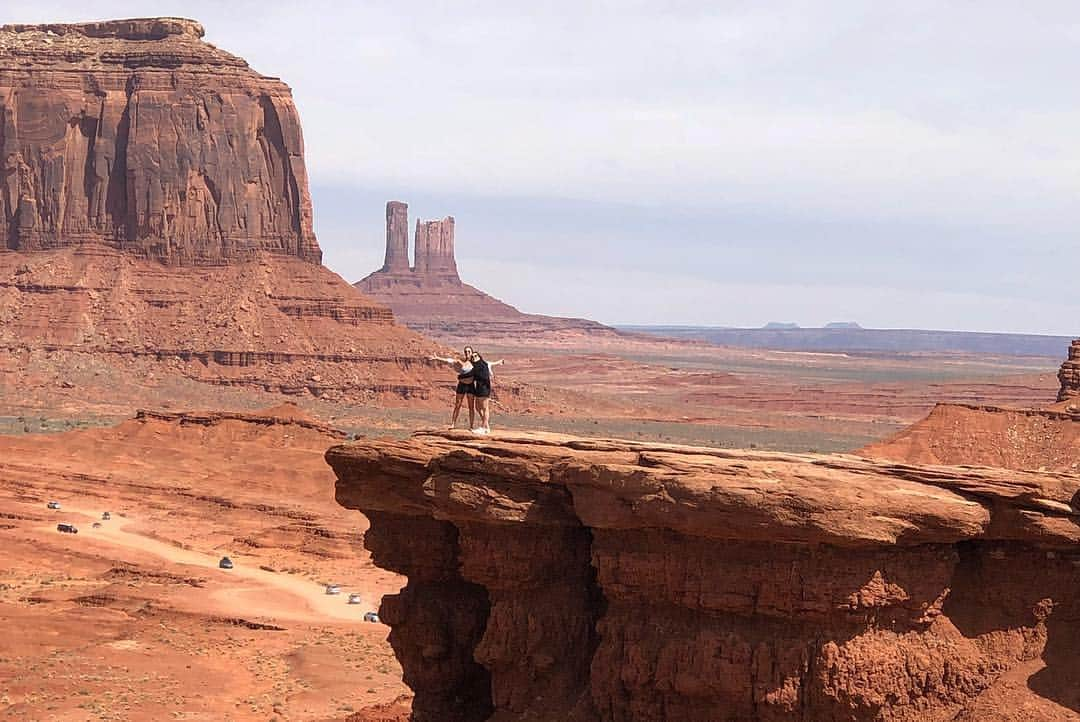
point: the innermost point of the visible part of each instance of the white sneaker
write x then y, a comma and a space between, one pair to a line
480, 430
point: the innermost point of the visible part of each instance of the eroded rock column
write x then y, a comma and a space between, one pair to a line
397, 237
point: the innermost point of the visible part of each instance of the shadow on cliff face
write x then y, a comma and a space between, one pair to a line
1021, 604
1060, 680
436, 621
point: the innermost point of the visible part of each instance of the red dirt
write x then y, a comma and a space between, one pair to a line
135, 621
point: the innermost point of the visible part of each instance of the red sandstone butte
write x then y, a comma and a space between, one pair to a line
138, 134
429, 295
154, 204
561, 578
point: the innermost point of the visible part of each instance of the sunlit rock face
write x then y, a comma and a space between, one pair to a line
139, 135
562, 578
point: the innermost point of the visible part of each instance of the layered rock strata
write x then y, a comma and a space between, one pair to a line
137, 134
275, 324
430, 296
556, 578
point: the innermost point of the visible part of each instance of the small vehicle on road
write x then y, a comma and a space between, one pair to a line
66, 529
53, 505
96, 525
333, 589
106, 516
354, 599
225, 563
371, 617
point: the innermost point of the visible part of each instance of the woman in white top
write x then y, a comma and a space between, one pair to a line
464, 388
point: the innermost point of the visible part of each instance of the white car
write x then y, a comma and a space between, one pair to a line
354, 599
371, 617
333, 589
53, 505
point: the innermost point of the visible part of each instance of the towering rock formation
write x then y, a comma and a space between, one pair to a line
139, 135
560, 578
397, 237
435, 249
430, 297
154, 204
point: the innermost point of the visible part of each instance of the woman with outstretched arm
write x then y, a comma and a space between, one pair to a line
464, 388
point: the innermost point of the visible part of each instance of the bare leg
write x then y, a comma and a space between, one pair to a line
457, 410
483, 409
472, 411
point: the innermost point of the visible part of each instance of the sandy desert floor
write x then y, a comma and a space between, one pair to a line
134, 619
622, 386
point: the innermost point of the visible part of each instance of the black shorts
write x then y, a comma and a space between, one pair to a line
481, 391
464, 388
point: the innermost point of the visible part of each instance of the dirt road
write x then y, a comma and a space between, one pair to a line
248, 590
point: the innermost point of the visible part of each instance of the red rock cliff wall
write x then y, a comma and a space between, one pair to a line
553, 578
137, 134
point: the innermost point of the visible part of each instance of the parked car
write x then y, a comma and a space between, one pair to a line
225, 563
354, 599
66, 529
53, 505
106, 516
371, 617
96, 525
333, 589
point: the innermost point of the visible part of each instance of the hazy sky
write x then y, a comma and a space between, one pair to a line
909, 164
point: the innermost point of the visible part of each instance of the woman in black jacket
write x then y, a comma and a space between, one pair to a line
482, 377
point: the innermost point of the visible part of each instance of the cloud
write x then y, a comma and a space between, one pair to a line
931, 146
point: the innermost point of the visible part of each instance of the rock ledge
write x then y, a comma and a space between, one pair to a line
559, 578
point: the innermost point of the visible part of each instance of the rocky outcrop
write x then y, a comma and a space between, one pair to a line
430, 296
556, 578
962, 434
1069, 375
139, 135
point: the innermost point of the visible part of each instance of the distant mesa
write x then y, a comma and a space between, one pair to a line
844, 325
428, 295
780, 326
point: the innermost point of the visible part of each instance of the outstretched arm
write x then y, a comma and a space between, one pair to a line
451, 361
500, 362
